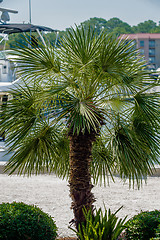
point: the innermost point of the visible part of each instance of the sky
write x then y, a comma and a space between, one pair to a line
61, 14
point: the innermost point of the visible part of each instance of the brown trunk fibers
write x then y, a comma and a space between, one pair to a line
80, 177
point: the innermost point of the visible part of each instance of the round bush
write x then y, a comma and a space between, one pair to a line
157, 234
143, 226
20, 221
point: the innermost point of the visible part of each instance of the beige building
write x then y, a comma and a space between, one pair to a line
148, 45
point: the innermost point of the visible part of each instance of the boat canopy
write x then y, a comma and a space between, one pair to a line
22, 27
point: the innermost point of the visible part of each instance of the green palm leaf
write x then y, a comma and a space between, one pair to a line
43, 150
89, 84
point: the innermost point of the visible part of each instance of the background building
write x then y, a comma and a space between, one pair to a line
148, 45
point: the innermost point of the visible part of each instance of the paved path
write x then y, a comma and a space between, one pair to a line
52, 196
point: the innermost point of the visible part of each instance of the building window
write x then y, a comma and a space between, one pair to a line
151, 43
141, 51
151, 51
151, 59
141, 43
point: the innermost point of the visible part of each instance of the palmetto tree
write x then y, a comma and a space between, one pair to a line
85, 110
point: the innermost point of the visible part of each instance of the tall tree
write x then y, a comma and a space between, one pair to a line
94, 23
83, 108
115, 23
145, 27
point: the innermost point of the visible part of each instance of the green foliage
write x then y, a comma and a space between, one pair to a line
99, 226
143, 226
90, 83
44, 142
117, 26
94, 23
114, 25
145, 27
157, 237
18, 40
20, 221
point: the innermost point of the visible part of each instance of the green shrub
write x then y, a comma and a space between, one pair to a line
100, 227
143, 226
157, 237
19, 221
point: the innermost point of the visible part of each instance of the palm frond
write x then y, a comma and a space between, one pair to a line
147, 105
19, 115
37, 63
80, 47
133, 154
43, 150
102, 165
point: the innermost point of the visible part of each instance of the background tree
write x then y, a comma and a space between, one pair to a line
83, 110
145, 27
113, 25
97, 24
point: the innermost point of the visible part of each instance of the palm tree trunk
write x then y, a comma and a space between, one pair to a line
80, 177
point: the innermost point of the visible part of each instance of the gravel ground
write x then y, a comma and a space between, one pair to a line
51, 194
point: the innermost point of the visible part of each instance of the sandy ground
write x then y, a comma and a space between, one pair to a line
52, 196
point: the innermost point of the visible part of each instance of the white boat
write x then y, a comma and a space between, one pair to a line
8, 77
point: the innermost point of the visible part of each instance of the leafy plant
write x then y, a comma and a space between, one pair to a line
157, 237
20, 221
143, 226
93, 91
100, 227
